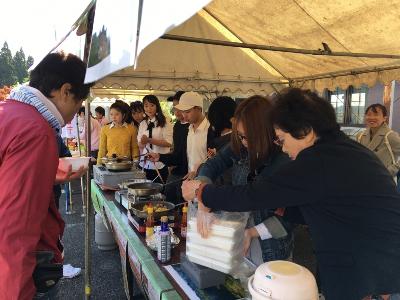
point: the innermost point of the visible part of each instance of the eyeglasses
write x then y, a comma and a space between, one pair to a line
242, 137
279, 142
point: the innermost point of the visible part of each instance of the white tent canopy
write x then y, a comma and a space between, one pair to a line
359, 26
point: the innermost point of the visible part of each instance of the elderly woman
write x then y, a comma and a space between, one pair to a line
346, 196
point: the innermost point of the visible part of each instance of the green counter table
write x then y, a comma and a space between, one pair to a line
135, 256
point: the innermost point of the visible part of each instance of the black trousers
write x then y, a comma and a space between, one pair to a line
151, 174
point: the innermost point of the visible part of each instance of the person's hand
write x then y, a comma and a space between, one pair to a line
154, 157
211, 152
249, 234
62, 176
189, 188
205, 219
144, 140
190, 175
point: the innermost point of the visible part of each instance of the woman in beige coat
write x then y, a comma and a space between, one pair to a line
380, 139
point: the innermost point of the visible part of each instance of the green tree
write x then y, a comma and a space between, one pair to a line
20, 66
7, 74
29, 62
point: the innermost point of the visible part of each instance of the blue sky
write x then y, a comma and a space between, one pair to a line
36, 25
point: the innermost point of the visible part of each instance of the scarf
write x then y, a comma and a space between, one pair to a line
33, 97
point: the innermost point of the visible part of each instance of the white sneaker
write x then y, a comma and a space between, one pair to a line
70, 272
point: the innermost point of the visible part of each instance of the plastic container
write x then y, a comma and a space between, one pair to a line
222, 250
228, 257
102, 236
282, 280
74, 162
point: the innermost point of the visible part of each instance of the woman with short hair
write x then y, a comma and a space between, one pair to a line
346, 196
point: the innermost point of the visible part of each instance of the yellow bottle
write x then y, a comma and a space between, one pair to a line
150, 222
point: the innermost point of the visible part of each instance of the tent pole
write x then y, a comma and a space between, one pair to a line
87, 211
274, 48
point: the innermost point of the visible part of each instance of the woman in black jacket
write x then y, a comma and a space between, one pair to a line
346, 195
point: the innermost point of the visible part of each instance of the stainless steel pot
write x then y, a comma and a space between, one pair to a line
119, 165
115, 163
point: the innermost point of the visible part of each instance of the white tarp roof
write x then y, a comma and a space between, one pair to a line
364, 26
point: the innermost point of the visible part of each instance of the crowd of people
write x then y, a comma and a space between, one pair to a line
285, 160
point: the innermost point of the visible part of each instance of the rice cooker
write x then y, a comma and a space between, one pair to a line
282, 280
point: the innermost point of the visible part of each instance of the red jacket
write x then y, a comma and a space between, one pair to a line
29, 219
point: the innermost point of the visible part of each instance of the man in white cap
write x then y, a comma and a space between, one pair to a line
199, 136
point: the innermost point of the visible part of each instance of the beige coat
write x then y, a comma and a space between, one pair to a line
385, 144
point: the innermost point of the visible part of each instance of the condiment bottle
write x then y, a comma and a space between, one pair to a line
150, 222
184, 221
164, 241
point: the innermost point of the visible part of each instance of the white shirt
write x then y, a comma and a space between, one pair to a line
197, 144
159, 133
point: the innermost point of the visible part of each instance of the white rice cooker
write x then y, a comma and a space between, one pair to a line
282, 280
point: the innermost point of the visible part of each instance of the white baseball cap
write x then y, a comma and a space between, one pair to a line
189, 100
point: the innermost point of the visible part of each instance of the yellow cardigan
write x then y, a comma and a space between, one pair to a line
119, 140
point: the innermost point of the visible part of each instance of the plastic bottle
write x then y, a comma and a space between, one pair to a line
164, 241
184, 222
150, 222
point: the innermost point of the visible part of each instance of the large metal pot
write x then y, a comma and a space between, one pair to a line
115, 163
144, 189
119, 165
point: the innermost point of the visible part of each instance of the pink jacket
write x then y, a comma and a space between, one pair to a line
95, 129
29, 219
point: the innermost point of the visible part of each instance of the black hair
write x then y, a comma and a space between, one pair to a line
299, 111
81, 110
100, 110
220, 113
136, 106
178, 95
161, 121
375, 107
124, 109
170, 99
57, 69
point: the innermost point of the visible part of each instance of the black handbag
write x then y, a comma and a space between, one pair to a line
46, 274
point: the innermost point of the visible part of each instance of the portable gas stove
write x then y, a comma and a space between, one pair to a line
111, 179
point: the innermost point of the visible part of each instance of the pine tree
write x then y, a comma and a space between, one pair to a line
29, 62
7, 73
20, 64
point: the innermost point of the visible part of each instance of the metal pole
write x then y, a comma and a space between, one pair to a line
345, 73
88, 213
80, 154
193, 78
274, 48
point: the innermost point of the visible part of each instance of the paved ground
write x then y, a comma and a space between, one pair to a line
106, 267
